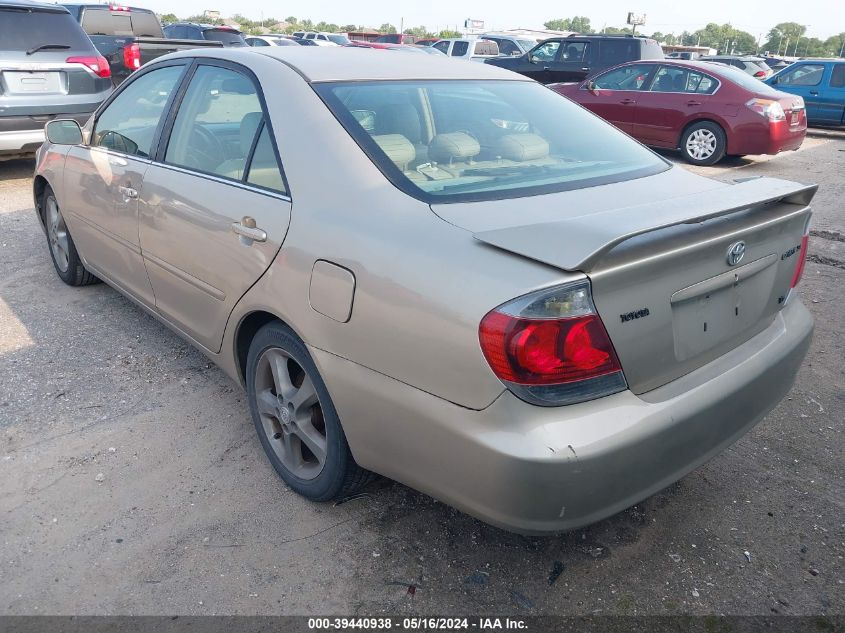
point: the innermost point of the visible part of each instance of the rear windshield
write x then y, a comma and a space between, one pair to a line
25, 29
742, 78
455, 141
120, 23
229, 38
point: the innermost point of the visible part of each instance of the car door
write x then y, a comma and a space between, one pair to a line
674, 96
104, 178
214, 214
614, 94
572, 62
538, 62
831, 96
805, 80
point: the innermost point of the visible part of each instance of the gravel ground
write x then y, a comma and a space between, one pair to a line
132, 482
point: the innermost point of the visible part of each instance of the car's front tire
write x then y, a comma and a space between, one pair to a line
704, 143
295, 418
66, 260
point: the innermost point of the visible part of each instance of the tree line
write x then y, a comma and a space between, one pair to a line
787, 38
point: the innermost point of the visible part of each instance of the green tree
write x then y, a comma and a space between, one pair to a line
612, 30
326, 27
560, 24
348, 28
168, 18
783, 35
387, 28
419, 31
836, 45
579, 23
446, 33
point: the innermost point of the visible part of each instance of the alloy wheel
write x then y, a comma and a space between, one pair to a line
291, 414
57, 234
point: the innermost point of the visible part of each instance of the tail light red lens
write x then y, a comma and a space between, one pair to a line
760, 74
97, 63
132, 56
802, 261
551, 348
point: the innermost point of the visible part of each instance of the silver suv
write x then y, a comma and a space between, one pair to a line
48, 68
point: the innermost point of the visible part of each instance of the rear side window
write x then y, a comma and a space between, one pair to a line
574, 52
264, 170
677, 79
129, 123
837, 79
460, 49
506, 47
25, 29
612, 52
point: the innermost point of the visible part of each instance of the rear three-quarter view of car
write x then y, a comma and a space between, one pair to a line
483, 291
48, 68
705, 110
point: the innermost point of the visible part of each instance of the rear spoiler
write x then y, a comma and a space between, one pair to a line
578, 243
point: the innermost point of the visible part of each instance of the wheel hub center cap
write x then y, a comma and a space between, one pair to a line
284, 415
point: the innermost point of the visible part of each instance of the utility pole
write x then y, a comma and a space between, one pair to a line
401, 27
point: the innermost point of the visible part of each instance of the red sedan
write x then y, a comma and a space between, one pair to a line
705, 110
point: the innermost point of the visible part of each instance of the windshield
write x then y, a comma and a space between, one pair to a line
228, 37
339, 39
23, 29
453, 141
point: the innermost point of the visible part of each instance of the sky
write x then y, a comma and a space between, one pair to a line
823, 17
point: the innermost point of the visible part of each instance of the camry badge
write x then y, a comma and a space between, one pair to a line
736, 252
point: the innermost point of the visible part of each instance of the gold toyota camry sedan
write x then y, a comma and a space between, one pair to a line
441, 272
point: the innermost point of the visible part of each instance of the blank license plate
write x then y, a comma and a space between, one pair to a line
37, 82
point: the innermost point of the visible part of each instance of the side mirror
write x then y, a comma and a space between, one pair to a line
63, 132
531, 59
591, 86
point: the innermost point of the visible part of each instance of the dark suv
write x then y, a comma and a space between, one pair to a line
577, 57
48, 69
226, 35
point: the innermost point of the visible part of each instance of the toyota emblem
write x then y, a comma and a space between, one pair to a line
736, 252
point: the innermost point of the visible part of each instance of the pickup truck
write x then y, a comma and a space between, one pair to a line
821, 83
476, 50
127, 37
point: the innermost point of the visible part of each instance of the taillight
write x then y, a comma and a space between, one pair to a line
97, 63
802, 261
760, 74
132, 56
550, 347
768, 108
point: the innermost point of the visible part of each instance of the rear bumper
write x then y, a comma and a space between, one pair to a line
541, 470
24, 134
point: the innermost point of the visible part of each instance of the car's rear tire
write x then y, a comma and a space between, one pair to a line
703, 143
66, 260
295, 418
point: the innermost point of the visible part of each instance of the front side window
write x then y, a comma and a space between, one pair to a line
546, 52
453, 141
217, 123
128, 124
625, 78
802, 75
443, 47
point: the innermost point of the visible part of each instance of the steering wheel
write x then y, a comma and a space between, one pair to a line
204, 149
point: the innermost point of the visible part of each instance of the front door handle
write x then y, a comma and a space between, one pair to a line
128, 192
117, 162
815, 93
586, 70
248, 232
693, 103
628, 101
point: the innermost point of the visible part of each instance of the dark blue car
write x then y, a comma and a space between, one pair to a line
821, 82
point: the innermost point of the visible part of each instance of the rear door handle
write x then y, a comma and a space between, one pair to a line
628, 101
128, 192
815, 93
586, 70
248, 231
693, 103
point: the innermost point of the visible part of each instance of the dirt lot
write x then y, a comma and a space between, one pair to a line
132, 482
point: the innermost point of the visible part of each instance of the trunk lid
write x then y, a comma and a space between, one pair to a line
662, 283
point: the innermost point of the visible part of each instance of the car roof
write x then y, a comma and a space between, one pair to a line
32, 4
91, 5
344, 63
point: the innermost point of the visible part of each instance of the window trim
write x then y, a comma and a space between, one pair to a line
170, 120
165, 111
